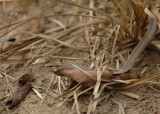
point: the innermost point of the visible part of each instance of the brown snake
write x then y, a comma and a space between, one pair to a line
89, 77
148, 37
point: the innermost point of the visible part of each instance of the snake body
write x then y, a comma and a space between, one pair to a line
148, 37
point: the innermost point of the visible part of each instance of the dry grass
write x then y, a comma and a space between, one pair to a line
97, 34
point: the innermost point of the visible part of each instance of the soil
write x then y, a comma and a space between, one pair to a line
116, 102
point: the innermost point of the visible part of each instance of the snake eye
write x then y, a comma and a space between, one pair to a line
11, 40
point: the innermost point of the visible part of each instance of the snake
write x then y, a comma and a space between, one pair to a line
148, 37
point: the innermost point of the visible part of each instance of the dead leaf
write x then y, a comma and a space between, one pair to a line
27, 78
127, 76
18, 96
88, 77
